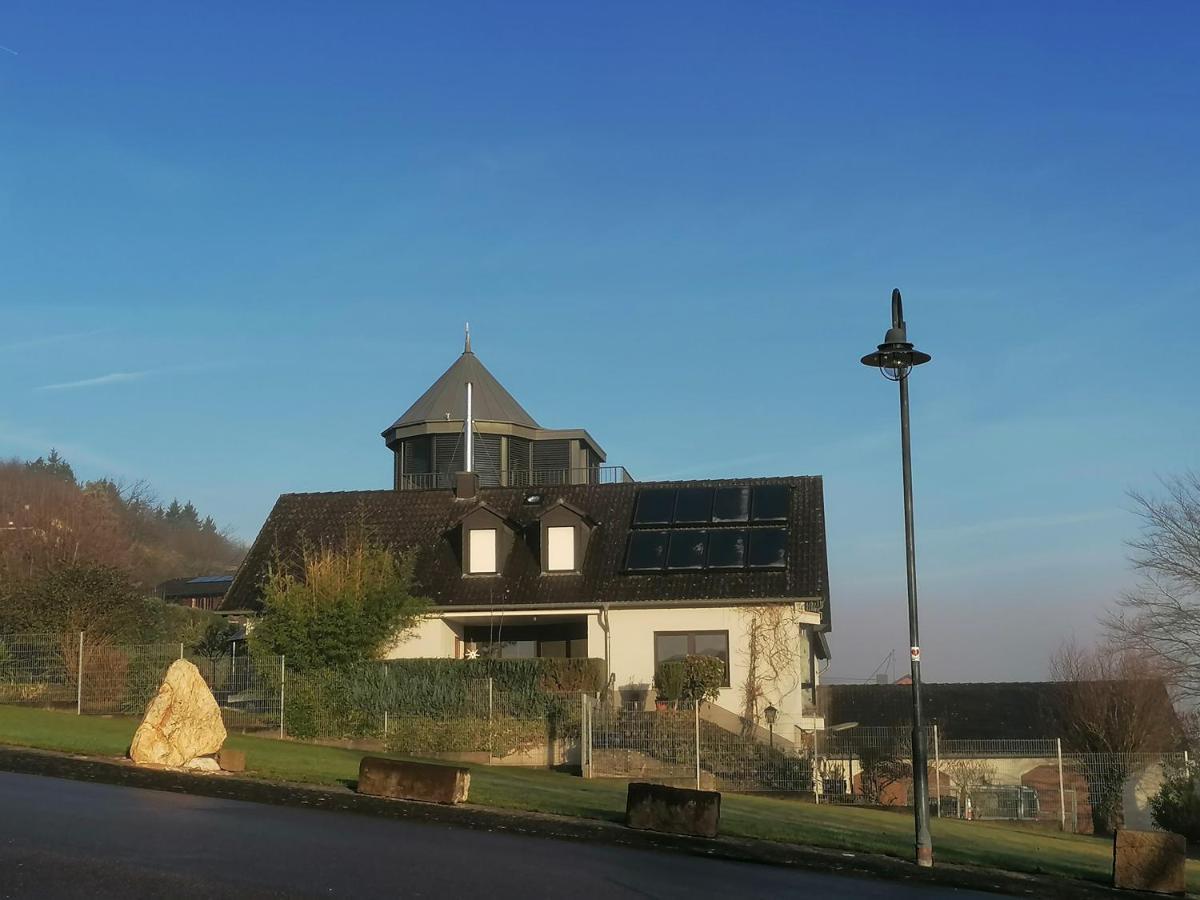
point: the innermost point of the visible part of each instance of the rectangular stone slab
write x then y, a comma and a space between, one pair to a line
400, 780
657, 807
231, 760
1149, 861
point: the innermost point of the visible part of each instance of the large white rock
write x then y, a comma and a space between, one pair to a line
181, 723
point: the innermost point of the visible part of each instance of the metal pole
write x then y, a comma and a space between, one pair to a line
937, 770
924, 844
282, 679
696, 709
233, 663
491, 728
1062, 794
79, 679
385, 724
181, 649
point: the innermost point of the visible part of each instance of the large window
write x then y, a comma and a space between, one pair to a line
481, 556
565, 640
560, 548
673, 646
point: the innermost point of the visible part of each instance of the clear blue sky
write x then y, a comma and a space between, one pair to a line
242, 238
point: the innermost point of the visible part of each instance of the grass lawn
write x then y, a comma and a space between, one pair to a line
866, 830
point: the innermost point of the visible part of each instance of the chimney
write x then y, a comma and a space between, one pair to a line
466, 485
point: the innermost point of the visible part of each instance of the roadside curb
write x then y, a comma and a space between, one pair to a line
116, 772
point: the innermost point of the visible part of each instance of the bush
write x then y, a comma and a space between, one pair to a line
1176, 807
669, 680
703, 677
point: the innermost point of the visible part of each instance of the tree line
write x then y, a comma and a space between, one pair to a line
85, 555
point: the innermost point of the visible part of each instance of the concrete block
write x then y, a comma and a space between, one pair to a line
1149, 861
232, 760
657, 807
400, 780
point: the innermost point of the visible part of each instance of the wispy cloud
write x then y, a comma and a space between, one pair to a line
51, 339
110, 378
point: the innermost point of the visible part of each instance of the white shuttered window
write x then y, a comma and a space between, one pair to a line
482, 556
560, 548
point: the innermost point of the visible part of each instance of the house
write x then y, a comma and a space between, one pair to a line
1017, 732
529, 545
201, 592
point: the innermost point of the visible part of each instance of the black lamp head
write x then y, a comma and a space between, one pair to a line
896, 355
770, 712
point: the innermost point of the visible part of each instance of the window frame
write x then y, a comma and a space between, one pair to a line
691, 634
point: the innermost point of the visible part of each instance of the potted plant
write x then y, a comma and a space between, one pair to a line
668, 681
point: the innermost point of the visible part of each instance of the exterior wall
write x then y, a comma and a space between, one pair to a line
433, 637
632, 660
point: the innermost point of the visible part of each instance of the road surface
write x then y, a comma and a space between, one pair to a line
79, 839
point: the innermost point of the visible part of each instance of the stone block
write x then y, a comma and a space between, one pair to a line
182, 721
1149, 861
401, 780
657, 807
232, 760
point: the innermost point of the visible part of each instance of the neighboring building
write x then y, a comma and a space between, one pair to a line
1013, 728
542, 551
202, 592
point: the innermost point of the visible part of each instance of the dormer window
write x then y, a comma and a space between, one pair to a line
560, 548
565, 530
481, 551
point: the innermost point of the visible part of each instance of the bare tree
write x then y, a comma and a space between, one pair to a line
1160, 618
1113, 701
967, 775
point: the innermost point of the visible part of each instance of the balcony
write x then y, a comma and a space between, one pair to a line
440, 481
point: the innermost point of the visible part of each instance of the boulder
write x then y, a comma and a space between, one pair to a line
182, 722
657, 807
1149, 861
232, 760
203, 764
401, 780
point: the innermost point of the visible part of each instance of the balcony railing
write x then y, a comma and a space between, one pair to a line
433, 481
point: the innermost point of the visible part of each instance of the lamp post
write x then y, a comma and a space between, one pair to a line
895, 358
771, 712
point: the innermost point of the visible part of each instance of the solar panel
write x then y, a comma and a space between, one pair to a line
768, 548
687, 550
731, 504
727, 548
771, 503
210, 579
655, 506
693, 506
647, 551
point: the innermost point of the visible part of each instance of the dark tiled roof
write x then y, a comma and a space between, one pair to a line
490, 402
199, 586
425, 521
986, 710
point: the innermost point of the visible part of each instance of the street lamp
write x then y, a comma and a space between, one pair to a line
895, 358
771, 712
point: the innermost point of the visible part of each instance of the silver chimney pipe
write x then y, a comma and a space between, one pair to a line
470, 427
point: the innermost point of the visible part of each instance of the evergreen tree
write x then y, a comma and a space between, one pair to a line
53, 465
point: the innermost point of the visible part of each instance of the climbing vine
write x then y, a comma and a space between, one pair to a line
772, 651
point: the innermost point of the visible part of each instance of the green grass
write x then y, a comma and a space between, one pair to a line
853, 829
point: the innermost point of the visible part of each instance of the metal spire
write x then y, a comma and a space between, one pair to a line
467, 340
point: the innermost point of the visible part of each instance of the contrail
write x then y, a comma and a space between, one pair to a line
10, 50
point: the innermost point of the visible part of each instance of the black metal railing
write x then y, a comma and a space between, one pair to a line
433, 481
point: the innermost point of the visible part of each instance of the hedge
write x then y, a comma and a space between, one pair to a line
351, 702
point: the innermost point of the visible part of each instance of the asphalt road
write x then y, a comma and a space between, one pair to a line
77, 839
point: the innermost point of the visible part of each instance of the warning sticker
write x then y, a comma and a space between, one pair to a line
915, 653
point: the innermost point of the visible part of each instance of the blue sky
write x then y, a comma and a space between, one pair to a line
237, 240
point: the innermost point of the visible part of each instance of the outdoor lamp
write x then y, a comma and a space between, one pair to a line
896, 355
895, 358
770, 712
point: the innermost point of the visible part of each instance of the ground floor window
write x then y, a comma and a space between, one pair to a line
566, 640
673, 646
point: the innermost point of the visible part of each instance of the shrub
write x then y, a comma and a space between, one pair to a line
669, 680
1176, 807
703, 677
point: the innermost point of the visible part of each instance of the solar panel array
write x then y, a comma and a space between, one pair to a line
724, 528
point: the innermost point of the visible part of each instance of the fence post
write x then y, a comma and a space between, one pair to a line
79, 679
491, 727
1062, 794
282, 679
181, 649
696, 710
937, 769
584, 738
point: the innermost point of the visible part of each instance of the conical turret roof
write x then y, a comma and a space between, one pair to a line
448, 395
